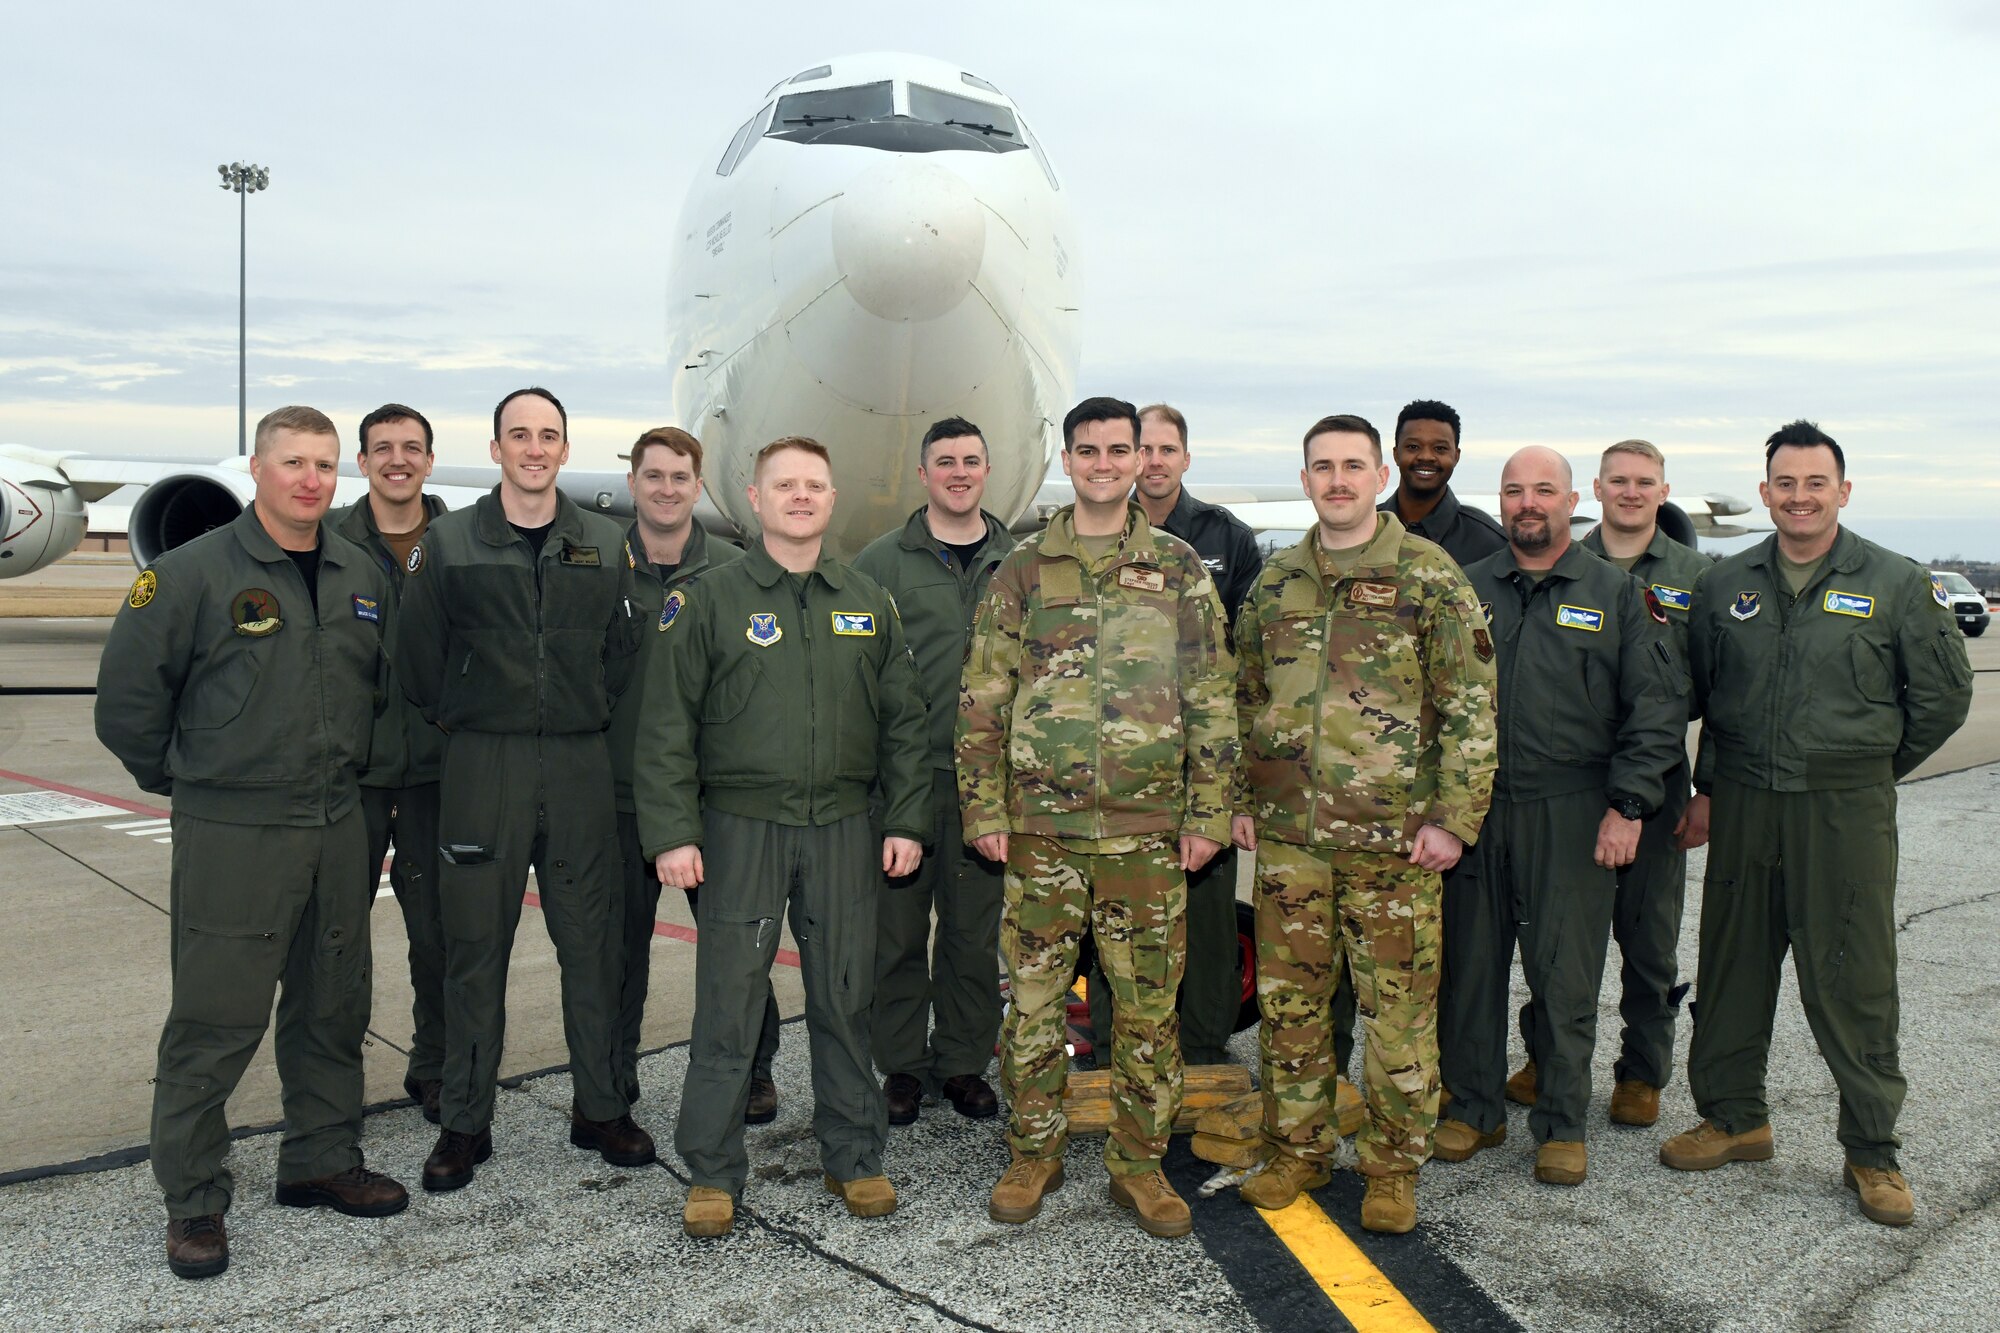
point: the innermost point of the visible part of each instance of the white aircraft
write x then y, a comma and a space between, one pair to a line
880, 244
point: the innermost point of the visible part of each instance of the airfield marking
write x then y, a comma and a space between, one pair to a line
1361, 1291
84, 792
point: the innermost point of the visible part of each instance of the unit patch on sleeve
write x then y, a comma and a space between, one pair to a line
671, 608
1580, 617
853, 622
1937, 592
143, 589
1371, 594
1855, 604
1482, 643
1678, 599
367, 608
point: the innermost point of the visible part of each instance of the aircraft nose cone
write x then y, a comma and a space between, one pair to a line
909, 239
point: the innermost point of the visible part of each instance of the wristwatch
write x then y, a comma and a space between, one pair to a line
1628, 808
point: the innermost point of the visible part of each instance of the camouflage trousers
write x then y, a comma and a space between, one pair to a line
1136, 905
1385, 916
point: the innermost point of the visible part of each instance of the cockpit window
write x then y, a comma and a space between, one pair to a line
804, 117
808, 75
745, 139
1041, 158
977, 82
965, 113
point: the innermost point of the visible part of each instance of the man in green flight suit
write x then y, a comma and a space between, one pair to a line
1096, 739
240, 680
399, 787
1364, 695
668, 548
936, 566
1631, 485
516, 634
780, 693
1592, 715
1826, 668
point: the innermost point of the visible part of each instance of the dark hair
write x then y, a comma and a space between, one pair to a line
394, 412
673, 439
1099, 409
538, 392
1430, 409
1169, 414
1803, 434
1345, 423
951, 428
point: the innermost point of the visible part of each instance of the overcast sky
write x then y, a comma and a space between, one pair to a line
1576, 223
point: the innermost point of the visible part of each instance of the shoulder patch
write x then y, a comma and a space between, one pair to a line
416, 560
1482, 643
1859, 605
1678, 599
854, 622
254, 611
630, 563
143, 589
1937, 593
1580, 617
367, 608
671, 608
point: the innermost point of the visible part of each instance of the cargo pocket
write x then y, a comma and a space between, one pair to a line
225, 974
217, 697
340, 971
1872, 673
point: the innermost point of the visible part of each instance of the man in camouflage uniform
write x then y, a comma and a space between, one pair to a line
1094, 742
1355, 808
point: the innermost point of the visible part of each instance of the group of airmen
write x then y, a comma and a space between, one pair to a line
1442, 739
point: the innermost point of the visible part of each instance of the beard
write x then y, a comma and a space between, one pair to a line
1531, 540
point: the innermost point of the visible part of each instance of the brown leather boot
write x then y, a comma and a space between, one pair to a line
454, 1160
971, 1096
903, 1093
870, 1196
1521, 1085
1454, 1140
708, 1212
197, 1246
1561, 1163
1885, 1195
762, 1107
425, 1092
1018, 1196
619, 1141
1708, 1145
1390, 1203
1282, 1180
1161, 1211
357, 1192
1634, 1103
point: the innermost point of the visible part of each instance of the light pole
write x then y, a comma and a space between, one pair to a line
245, 180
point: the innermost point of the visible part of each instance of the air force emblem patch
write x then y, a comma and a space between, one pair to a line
854, 622
1746, 605
671, 607
764, 630
1674, 599
1937, 592
1580, 617
1848, 604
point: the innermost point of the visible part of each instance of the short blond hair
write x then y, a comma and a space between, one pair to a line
1643, 448
803, 443
304, 420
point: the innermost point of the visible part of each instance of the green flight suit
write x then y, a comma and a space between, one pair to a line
518, 657
399, 804
1811, 710
774, 702
1652, 891
958, 985
228, 686
640, 902
1592, 710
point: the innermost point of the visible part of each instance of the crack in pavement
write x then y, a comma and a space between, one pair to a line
1946, 907
1923, 1240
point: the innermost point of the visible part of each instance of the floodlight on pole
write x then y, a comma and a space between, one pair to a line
245, 180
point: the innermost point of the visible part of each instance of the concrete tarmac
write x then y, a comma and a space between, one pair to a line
549, 1236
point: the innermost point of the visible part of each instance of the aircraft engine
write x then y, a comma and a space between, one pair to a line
176, 509
42, 518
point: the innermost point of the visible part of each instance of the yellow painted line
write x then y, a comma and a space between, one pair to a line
1360, 1290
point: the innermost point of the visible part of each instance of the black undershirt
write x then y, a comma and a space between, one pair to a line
308, 564
537, 537
967, 552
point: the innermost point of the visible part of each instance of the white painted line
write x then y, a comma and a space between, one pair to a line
166, 839
137, 823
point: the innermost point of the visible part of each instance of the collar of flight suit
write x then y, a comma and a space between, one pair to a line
1135, 542
1571, 564
259, 543
767, 571
1441, 517
1845, 557
917, 535
1656, 549
490, 521
694, 552
358, 523
1180, 519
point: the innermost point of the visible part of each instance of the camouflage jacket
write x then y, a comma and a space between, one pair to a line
1095, 698
1365, 700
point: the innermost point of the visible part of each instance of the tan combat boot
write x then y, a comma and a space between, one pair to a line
1282, 1180
1560, 1163
870, 1196
1349, 1108
1634, 1103
1018, 1196
1390, 1204
1708, 1145
1161, 1211
708, 1212
1454, 1140
1885, 1195
1521, 1086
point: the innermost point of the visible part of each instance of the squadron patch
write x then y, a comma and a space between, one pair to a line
1371, 594
1679, 599
586, 556
1855, 604
671, 607
1746, 605
853, 622
255, 613
1482, 643
1145, 580
1486, 609
1937, 592
416, 560
143, 589
1653, 607
367, 608
1581, 617
764, 629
